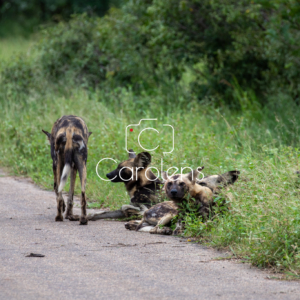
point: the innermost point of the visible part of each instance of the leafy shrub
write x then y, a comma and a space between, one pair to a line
225, 46
253, 42
73, 50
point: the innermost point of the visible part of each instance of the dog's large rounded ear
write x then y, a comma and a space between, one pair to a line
131, 154
142, 160
47, 134
193, 175
164, 176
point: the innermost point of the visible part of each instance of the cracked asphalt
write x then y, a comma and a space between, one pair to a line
105, 261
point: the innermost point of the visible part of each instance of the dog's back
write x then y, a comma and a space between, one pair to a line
68, 140
69, 134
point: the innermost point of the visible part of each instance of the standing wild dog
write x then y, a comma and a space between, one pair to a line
68, 140
177, 188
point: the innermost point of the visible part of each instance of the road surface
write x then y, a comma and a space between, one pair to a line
105, 261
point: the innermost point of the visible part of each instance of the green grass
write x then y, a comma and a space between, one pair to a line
11, 47
263, 224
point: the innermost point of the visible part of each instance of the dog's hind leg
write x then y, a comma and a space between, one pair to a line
132, 225
130, 210
146, 228
143, 227
61, 206
82, 175
69, 214
125, 212
115, 214
55, 185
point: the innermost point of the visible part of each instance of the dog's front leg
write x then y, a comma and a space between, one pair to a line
178, 230
159, 229
204, 211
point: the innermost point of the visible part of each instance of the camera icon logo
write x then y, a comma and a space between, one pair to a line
143, 132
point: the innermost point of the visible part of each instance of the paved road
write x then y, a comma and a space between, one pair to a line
105, 261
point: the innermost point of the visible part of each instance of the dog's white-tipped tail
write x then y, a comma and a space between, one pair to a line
64, 177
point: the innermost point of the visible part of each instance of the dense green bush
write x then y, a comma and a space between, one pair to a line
73, 50
22, 17
223, 46
255, 43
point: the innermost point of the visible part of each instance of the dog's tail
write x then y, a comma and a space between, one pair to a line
68, 159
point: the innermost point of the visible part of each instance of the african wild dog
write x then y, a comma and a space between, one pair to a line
141, 184
177, 188
68, 140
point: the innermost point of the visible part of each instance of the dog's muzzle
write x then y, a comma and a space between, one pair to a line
173, 192
110, 175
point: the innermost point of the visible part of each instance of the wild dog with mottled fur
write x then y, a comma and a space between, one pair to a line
68, 140
176, 188
141, 184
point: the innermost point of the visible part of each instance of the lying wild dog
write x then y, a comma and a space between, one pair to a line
177, 188
68, 140
141, 184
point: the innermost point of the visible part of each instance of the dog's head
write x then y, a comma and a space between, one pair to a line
178, 186
132, 169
